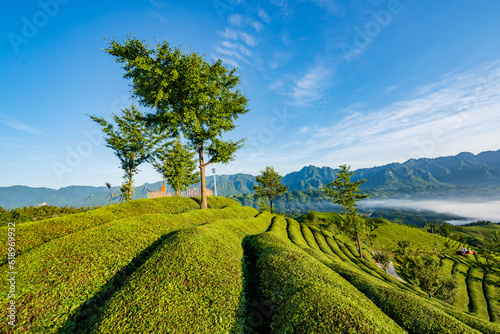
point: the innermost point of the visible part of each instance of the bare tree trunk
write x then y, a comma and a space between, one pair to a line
130, 185
203, 204
177, 192
271, 201
359, 246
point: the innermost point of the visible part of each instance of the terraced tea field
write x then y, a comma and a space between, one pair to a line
163, 266
478, 291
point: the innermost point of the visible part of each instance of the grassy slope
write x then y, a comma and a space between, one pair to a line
59, 276
477, 300
473, 291
196, 277
33, 234
491, 289
306, 296
462, 296
414, 312
213, 270
390, 233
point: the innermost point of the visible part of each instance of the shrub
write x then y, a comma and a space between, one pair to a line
295, 233
383, 257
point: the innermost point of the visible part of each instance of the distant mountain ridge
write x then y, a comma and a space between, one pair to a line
443, 176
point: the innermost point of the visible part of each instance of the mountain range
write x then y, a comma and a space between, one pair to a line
463, 175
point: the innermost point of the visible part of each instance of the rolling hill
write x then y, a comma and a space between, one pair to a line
164, 266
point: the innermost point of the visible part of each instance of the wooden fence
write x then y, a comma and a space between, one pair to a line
187, 193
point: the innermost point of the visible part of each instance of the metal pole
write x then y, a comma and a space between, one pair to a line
215, 180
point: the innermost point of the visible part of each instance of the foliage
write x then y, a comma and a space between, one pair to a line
401, 301
448, 289
479, 223
346, 193
269, 185
132, 141
310, 217
383, 257
33, 213
176, 163
188, 94
262, 205
424, 271
444, 230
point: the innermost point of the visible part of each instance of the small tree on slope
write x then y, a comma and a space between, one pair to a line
346, 193
132, 141
176, 163
269, 186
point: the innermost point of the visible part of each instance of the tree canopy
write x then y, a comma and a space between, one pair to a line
187, 94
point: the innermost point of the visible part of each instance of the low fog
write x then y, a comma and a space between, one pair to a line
473, 211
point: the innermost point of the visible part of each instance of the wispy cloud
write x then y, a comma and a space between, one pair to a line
239, 38
263, 15
279, 59
159, 4
155, 14
458, 113
304, 88
286, 10
18, 125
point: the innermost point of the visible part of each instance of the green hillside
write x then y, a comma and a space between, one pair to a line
164, 266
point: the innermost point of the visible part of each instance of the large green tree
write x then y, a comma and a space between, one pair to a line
269, 185
133, 142
346, 193
177, 164
188, 95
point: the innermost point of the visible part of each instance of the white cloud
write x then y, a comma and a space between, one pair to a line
286, 11
279, 59
390, 89
264, 16
236, 20
473, 210
232, 48
305, 88
257, 26
159, 17
229, 34
457, 114
18, 125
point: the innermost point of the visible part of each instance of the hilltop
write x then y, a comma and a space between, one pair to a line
163, 265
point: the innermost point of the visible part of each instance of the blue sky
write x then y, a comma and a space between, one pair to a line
362, 83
